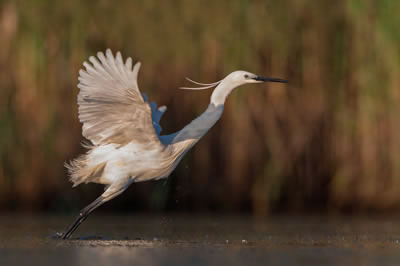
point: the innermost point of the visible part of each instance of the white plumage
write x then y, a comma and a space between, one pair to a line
123, 128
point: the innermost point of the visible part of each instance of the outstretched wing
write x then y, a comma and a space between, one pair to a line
111, 106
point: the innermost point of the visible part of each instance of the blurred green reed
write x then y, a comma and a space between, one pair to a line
328, 141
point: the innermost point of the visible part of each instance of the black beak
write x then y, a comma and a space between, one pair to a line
259, 78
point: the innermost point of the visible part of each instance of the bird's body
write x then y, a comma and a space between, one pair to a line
124, 132
136, 162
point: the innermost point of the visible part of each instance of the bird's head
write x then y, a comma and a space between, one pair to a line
241, 77
235, 79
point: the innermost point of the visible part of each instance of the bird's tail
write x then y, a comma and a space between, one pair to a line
80, 171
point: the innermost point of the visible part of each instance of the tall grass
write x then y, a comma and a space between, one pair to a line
329, 141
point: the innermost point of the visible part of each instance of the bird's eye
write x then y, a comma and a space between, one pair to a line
246, 76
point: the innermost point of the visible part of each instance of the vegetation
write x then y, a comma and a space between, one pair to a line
328, 141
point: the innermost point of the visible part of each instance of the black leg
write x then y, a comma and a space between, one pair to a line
110, 192
84, 213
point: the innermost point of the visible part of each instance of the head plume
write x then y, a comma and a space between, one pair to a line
203, 86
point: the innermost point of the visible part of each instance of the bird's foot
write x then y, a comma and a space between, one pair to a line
57, 235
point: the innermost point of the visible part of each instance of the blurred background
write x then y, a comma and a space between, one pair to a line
327, 142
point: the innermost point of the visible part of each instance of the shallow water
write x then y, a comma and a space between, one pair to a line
200, 240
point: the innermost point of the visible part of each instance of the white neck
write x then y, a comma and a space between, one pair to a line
198, 127
221, 92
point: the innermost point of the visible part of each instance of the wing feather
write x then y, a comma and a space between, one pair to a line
128, 63
111, 106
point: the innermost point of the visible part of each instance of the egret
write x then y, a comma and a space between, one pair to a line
123, 128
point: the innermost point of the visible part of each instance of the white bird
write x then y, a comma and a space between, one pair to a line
124, 131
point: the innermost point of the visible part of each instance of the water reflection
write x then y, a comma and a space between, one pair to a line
148, 240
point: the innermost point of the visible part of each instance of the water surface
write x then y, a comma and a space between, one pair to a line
200, 240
